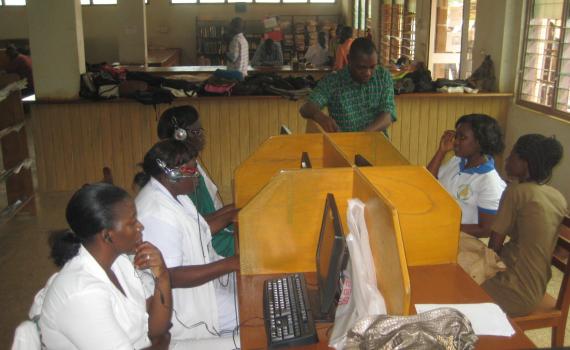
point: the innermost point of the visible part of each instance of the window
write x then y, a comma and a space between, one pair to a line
398, 30
98, 2
251, 1
544, 82
361, 15
13, 2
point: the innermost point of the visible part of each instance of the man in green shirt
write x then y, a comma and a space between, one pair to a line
360, 97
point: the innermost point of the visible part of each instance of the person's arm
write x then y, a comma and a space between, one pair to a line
445, 145
496, 242
159, 305
311, 110
339, 58
279, 61
482, 228
196, 275
221, 218
381, 123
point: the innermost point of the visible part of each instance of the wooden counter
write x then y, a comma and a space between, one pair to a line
164, 57
118, 133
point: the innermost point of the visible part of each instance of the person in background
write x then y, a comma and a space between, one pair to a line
183, 123
202, 281
318, 54
359, 97
530, 213
238, 52
101, 299
21, 65
269, 53
342, 51
470, 176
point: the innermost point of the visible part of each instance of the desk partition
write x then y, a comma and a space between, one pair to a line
280, 226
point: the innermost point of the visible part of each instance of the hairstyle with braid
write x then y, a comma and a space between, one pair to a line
541, 153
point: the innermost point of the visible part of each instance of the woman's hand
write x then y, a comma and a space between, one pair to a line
148, 256
446, 142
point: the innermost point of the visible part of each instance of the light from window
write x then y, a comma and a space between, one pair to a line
232, 1
398, 31
212, 1
322, 1
268, 1
15, 2
183, 1
85, 2
104, 2
294, 1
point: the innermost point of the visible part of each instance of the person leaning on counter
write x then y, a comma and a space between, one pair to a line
360, 97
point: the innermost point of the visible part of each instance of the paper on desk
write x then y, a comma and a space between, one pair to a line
486, 318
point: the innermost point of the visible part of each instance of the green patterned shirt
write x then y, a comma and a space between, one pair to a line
352, 105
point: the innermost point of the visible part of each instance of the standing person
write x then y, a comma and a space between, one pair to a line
269, 53
360, 97
470, 176
98, 300
318, 53
343, 49
183, 123
530, 213
21, 65
202, 282
238, 52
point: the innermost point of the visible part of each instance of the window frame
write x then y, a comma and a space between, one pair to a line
549, 110
254, 2
3, 4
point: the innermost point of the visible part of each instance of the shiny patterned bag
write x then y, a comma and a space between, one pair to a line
442, 328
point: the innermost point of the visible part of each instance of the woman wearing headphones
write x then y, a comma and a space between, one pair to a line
204, 304
97, 300
183, 123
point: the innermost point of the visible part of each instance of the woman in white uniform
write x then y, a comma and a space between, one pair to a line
204, 295
470, 176
97, 300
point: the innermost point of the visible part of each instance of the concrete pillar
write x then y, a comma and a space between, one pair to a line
56, 43
132, 32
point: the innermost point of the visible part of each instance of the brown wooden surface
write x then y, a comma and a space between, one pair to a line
15, 147
430, 284
117, 133
164, 57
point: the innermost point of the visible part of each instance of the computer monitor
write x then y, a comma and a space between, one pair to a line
331, 257
359, 160
284, 130
305, 161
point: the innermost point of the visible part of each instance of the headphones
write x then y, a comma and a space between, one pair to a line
180, 133
173, 175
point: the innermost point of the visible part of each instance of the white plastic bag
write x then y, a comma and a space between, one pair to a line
360, 296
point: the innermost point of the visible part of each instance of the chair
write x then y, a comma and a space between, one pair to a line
554, 312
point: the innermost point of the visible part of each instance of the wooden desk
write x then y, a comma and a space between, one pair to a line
430, 284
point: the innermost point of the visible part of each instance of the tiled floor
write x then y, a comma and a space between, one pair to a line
24, 257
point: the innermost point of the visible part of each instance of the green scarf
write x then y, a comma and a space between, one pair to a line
223, 241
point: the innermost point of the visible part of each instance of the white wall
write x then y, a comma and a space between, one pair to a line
167, 25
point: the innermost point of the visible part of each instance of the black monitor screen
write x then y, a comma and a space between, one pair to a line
330, 255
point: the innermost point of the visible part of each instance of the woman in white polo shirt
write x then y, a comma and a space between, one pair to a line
470, 176
97, 300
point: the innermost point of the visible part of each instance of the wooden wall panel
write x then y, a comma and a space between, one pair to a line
74, 141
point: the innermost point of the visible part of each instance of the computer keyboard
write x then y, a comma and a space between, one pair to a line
288, 318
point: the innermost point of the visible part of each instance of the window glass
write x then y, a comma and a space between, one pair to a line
268, 1
104, 2
15, 2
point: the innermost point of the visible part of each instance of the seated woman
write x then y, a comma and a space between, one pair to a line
97, 300
530, 214
183, 123
470, 177
268, 54
318, 53
204, 304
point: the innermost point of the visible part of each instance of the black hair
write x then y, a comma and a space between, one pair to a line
90, 210
345, 34
541, 154
322, 39
236, 25
268, 45
362, 46
487, 132
172, 152
185, 116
